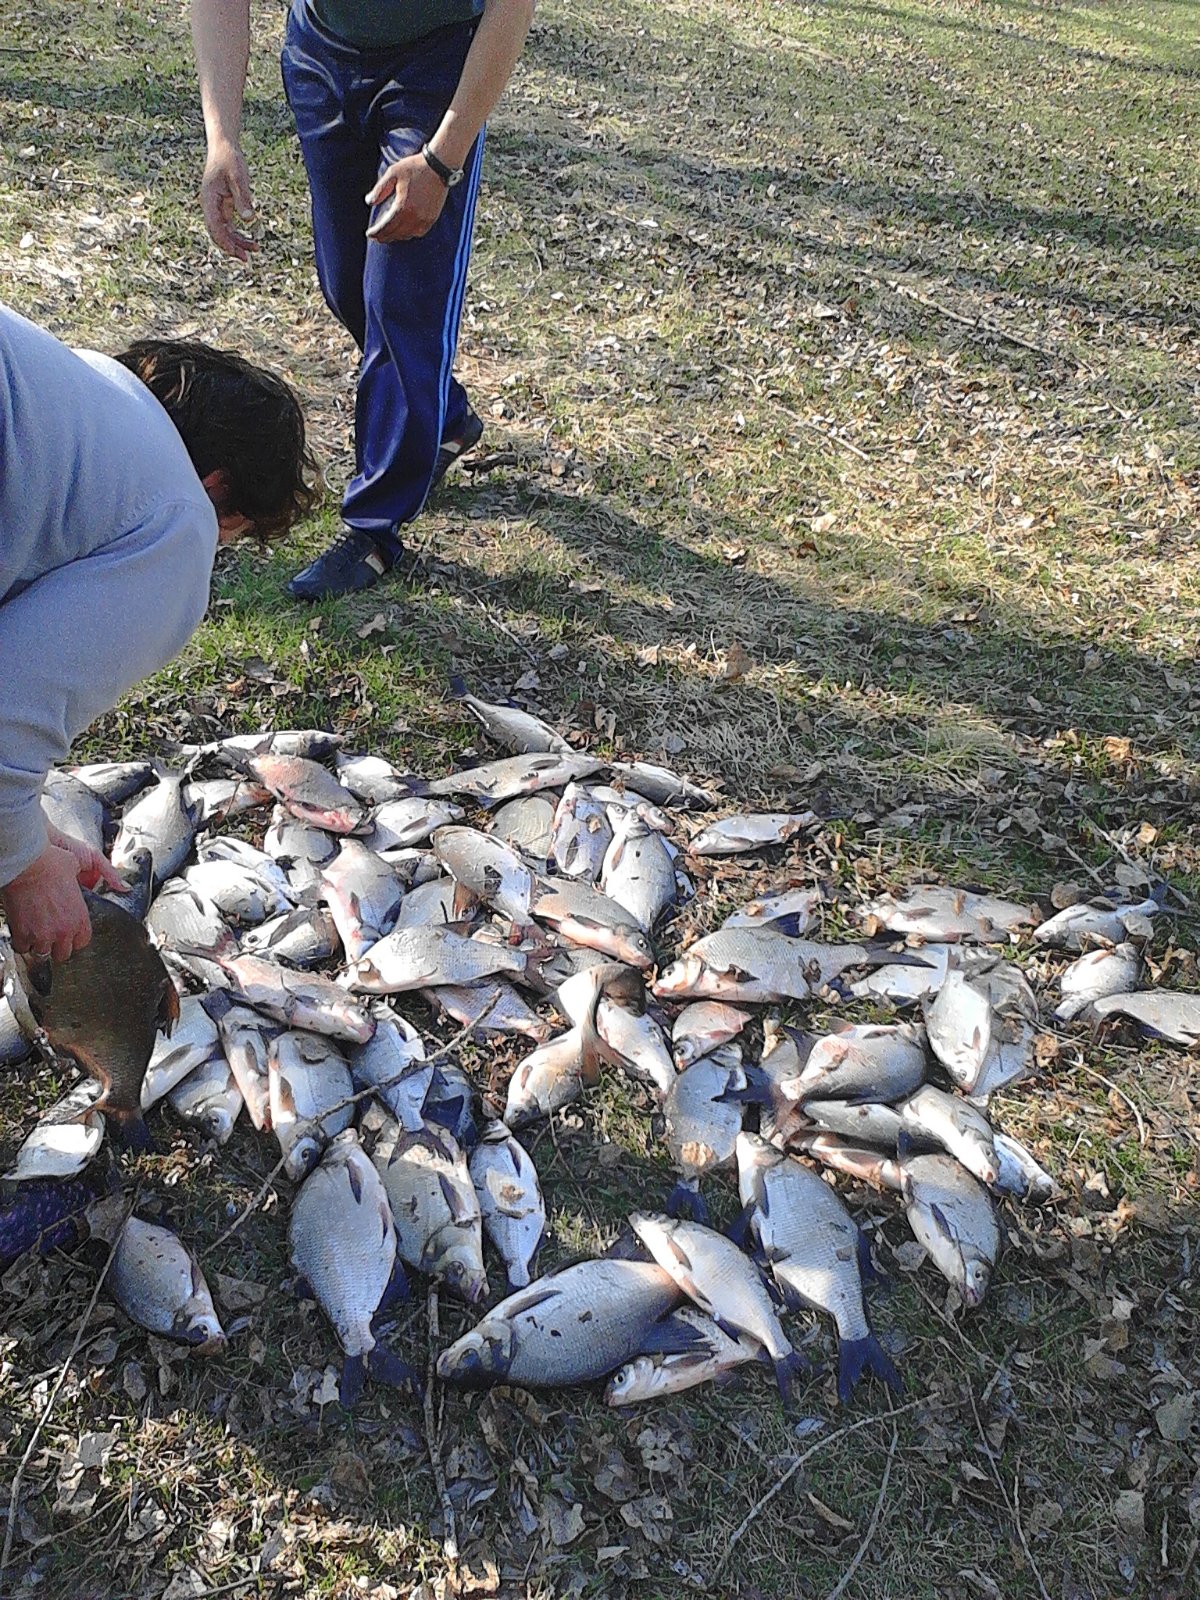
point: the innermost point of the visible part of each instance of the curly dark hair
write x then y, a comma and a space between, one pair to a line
236, 418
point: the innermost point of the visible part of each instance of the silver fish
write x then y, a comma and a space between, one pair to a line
159, 821
450, 1103
190, 931
14, 1046
73, 808
304, 937
654, 1377
244, 1039
157, 1282
901, 982
236, 892
1097, 974
313, 744
510, 1200
439, 1228
526, 774
952, 1215
414, 958
488, 869
243, 854
1099, 921
210, 1098
863, 1123
393, 1064
638, 871
220, 799
617, 802
400, 824
342, 1242
550, 1077
514, 729
489, 1007
862, 1062
585, 916
570, 1327
429, 905
981, 1026
703, 1112
944, 914
307, 1077
300, 849
581, 834
299, 999
659, 784
1165, 1013
371, 779
785, 1051
756, 964
194, 1040
64, 1138
712, 1271
527, 824
702, 1026
959, 1128
794, 910
636, 1044
1020, 1172
309, 792
733, 835
857, 1161
363, 896
813, 1248
115, 781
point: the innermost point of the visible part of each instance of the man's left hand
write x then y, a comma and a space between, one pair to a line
417, 197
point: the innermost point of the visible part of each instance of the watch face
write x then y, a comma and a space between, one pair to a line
455, 177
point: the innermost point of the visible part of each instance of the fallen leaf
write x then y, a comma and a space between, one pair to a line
673, 744
1175, 1416
1130, 1512
824, 522
377, 624
564, 1522
736, 664
326, 1391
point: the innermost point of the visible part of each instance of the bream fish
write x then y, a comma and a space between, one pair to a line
115, 781
734, 835
527, 825
309, 792
307, 1082
305, 1000
401, 824
863, 1062
300, 849
758, 964
511, 728
73, 808
158, 1283
193, 1040
1095, 975
961, 1130
654, 1377
414, 958
981, 1026
63, 1140
702, 1026
510, 1200
487, 868
945, 915
638, 871
160, 821
363, 896
550, 1077
660, 784
1091, 922
1165, 1013
304, 937
581, 834
584, 916
393, 1063
245, 1039
439, 1228
371, 779
524, 774
952, 1215
209, 1098
791, 911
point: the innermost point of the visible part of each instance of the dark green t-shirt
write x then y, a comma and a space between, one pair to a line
382, 24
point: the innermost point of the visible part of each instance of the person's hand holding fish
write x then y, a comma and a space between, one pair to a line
44, 904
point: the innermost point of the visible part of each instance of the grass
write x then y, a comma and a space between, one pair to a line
860, 337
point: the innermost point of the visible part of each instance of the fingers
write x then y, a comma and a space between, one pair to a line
385, 185
224, 197
103, 871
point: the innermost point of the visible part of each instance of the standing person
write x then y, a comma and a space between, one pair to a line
389, 99
118, 479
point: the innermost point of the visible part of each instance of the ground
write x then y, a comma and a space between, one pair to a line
840, 366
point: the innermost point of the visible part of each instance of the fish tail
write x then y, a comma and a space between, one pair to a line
686, 1201
354, 1372
387, 1367
127, 1126
397, 1288
867, 1270
856, 1356
789, 1370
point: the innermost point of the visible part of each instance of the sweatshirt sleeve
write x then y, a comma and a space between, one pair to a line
77, 638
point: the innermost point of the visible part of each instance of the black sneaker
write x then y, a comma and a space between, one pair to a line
355, 562
453, 449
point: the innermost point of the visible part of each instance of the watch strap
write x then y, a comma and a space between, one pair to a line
449, 175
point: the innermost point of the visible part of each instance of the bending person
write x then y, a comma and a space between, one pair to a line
119, 477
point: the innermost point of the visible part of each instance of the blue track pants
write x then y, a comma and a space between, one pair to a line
356, 112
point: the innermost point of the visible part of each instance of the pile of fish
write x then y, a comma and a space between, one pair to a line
271, 977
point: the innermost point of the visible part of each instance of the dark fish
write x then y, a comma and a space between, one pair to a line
104, 1008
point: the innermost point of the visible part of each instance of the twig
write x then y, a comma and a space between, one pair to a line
778, 1487
1117, 1090
1014, 1511
815, 427
314, 1123
1132, 861
842, 1583
498, 458
977, 325
433, 1441
14, 1496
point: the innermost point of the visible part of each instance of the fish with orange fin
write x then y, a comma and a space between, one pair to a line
104, 1008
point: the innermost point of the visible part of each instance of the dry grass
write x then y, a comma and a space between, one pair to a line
848, 356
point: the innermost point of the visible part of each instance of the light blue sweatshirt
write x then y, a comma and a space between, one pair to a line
107, 540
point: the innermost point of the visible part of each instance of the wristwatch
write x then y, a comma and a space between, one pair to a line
449, 175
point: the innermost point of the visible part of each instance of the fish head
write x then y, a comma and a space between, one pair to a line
480, 1358
633, 947
302, 1157
199, 1328
977, 1275
630, 1382
467, 1281
681, 977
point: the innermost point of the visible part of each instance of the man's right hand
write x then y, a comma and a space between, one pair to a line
45, 907
225, 199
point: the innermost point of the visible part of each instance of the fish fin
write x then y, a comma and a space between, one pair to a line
128, 1128
40, 975
670, 1336
686, 1201
168, 1008
883, 955
789, 1370
739, 1229
354, 1371
792, 923
759, 1089
216, 1004
905, 1145
627, 1247
867, 1270
302, 1289
943, 1224
386, 1366
456, 1202
856, 1356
